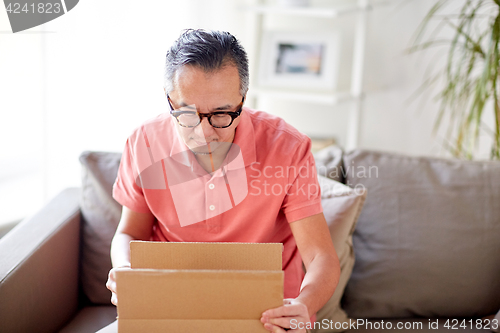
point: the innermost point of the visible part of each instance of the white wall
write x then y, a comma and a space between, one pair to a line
390, 121
21, 99
86, 79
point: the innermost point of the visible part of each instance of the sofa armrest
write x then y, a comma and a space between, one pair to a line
39, 262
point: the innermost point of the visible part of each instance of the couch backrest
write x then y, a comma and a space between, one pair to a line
427, 242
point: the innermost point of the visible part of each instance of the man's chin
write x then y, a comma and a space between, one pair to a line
200, 149
207, 148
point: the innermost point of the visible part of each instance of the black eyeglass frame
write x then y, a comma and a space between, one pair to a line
233, 114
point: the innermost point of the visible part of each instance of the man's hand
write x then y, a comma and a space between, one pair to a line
132, 226
111, 283
290, 316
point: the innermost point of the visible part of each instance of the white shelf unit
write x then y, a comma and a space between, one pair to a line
326, 98
355, 95
326, 12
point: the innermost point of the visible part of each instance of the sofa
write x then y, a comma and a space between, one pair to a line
418, 240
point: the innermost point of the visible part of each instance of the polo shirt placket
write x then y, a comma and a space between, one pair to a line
213, 203
200, 196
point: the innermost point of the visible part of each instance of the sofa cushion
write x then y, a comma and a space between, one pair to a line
427, 241
91, 319
341, 207
329, 163
101, 214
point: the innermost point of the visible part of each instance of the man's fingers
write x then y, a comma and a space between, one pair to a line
273, 328
287, 310
111, 283
282, 321
282, 311
279, 319
273, 324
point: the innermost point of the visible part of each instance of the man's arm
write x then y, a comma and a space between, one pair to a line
132, 226
323, 271
320, 259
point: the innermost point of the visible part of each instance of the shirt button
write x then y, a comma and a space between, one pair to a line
211, 186
212, 207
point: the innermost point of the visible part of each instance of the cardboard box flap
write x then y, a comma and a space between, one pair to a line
190, 326
197, 294
179, 255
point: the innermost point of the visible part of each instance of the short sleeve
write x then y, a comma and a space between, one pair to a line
125, 189
303, 198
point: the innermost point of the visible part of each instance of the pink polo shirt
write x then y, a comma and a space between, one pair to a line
267, 181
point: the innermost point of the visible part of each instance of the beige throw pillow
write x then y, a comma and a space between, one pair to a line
101, 214
341, 207
329, 163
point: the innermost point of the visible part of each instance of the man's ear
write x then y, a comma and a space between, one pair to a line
165, 90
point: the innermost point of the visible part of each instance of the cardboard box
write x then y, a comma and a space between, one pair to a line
199, 287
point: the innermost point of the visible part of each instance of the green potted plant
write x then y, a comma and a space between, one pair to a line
471, 75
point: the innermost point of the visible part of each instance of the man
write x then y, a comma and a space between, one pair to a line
214, 171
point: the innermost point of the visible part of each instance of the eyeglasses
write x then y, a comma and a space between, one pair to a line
218, 119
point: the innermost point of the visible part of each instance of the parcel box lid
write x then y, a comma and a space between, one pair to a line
192, 255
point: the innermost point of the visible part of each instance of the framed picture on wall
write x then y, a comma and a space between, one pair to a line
299, 60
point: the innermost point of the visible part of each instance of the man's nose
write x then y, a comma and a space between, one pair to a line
204, 128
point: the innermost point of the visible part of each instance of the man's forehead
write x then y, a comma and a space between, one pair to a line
227, 69
193, 82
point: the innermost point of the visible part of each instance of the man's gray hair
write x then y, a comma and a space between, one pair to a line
209, 50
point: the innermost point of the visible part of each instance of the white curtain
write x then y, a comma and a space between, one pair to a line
83, 82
